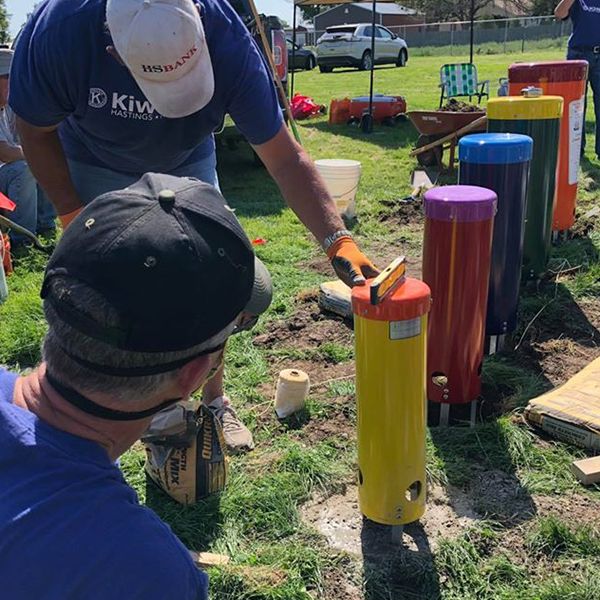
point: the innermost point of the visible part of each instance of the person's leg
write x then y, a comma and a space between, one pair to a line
585, 103
17, 182
238, 437
206, 170
594, 78
91, 181
46, 214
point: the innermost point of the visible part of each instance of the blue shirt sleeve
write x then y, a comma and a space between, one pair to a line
7, 385
39, 83
149, 562
254, 106
252, 98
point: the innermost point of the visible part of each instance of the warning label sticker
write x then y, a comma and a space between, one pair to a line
575, 132
401, 330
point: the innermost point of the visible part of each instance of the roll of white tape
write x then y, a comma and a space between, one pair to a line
292, 389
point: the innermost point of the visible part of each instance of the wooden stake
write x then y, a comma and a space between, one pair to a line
205, 560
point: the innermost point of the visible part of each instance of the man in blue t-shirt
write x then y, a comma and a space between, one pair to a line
140, 295
106, 90
584, 44
32, 210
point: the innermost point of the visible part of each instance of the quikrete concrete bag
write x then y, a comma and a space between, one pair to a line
185, 453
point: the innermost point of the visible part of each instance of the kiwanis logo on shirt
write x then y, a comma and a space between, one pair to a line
589, 6
123, 106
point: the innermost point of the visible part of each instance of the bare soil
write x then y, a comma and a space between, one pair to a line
306, 329
339, 519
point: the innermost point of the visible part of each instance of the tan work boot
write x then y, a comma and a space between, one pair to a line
237, 436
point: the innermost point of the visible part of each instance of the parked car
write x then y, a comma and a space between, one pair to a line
303, 59
350, 46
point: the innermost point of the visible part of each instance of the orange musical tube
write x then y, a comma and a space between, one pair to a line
566, 78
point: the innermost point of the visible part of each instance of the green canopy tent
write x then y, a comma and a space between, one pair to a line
367, 121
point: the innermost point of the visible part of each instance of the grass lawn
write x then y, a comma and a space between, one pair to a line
505, 519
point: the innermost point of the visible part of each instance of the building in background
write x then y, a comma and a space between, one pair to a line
387, 14
302, 33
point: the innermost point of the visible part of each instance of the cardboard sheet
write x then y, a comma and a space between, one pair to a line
571, 412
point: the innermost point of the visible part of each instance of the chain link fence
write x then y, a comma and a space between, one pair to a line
494, 36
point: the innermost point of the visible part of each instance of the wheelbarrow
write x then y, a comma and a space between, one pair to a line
441, 130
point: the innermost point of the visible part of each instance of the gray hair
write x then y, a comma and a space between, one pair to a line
62, 340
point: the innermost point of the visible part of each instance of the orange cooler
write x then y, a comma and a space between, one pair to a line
339, 111
566, 78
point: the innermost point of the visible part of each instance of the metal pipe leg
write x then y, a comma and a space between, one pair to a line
397, 534
473, 418
444, 414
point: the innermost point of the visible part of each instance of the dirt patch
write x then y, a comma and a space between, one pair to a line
558, 346
321, 265
454, 105
449, 511
574, 509
500, 496
340, 422
307, 328
337, 586
339, 519
561, 359
402, 211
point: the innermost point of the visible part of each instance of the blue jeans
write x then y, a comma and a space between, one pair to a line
33, 211
91, 182
594, 81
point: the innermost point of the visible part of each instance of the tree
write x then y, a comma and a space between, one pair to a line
4, 24
308, 12
447, 10
543, 7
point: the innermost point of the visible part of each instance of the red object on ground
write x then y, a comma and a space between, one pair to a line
456, 266
384, 107
7, 262
339, 111
566, 78
259, 242
304, 107
6, 203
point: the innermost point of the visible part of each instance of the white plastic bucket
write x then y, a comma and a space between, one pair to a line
341, 177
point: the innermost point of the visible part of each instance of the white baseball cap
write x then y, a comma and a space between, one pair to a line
162, 43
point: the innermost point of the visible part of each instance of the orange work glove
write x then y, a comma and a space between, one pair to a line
349, 263
66, 219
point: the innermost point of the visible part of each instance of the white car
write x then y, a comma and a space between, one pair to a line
350, 46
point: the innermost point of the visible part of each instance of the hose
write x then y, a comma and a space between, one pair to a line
7, 223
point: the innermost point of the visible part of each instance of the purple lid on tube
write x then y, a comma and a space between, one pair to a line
462, 203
